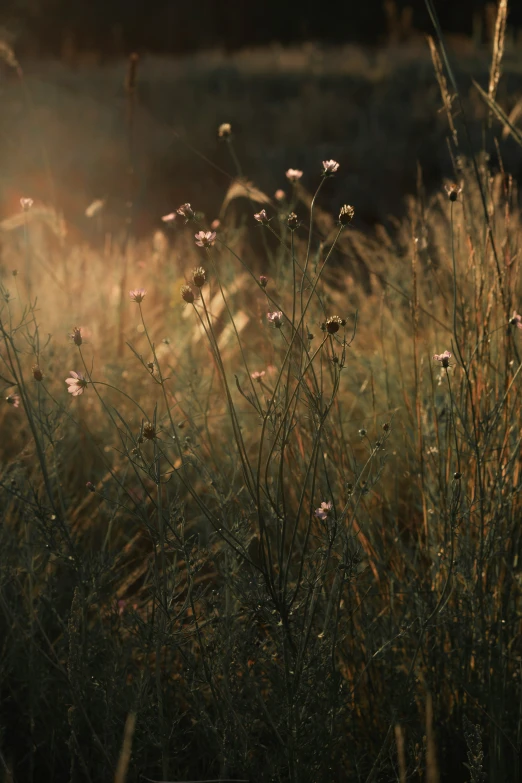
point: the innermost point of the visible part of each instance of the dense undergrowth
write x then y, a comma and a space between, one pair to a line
273, 533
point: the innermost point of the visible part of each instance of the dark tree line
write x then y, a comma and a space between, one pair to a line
120, 26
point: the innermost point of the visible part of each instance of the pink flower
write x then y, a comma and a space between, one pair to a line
330, 167
14, 400
215, 224
170, 218
275, 318
256, 376
76, 383
262, 217
443, 358
280, 195
323, 510
516, 320
263, 281
293, 175
137, 295
205, 238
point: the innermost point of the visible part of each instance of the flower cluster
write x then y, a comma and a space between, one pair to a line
294, 175
275, 318
205, 238
323, 510
443, 358
137, 295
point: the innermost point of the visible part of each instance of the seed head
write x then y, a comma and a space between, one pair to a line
346, 215
76, 336
333, 324
516, 319
187, 293
362, 432
292, 221
37, 373
457, 476
263, 281
149, 431
453, 191
225, 130
199, 276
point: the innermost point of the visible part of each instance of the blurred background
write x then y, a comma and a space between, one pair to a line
297, 84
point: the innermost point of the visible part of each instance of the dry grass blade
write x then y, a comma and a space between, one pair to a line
498, 49
500, 114
432, 769
514, 114
447, 99
401, 755
242, 188
126, 749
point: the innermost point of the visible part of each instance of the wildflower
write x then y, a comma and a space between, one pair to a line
443, 358
263, 281
280, 195
256, 376
37, 373
187, 293
292, 221
333, 324
170, 218
346, 215
225, 130
516, 319
329, 167
149, 431
199, 276
76, 383
137, 295
90, 486
14, 400
453, 191
205, 238
275, 318
76, 336
26, 204
215, 224
323, 510
262, 217
186, 211
293, 175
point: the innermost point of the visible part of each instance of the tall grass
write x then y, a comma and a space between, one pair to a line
277, 539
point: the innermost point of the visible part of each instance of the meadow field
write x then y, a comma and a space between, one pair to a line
260, 439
